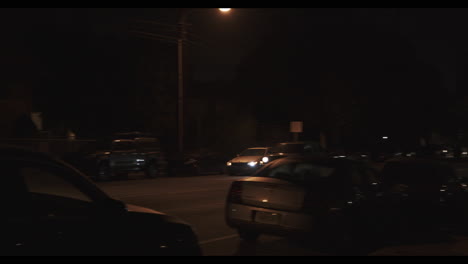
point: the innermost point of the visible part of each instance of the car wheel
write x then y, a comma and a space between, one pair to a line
104, 172
247, 235
152, 171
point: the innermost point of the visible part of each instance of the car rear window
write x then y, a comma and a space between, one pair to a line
300, 172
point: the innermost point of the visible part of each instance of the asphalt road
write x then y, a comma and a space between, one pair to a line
199, 201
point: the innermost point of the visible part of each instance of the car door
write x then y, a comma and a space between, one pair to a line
55, 216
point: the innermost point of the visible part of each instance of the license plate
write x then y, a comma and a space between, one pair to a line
267, 218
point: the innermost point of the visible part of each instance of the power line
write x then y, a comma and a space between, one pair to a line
163, 37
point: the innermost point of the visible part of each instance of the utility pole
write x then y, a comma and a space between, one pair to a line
180, 100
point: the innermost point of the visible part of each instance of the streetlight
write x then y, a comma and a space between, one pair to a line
183, 12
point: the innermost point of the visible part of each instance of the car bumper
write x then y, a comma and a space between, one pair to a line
242, 169
288, 223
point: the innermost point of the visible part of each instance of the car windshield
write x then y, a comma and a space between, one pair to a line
300, 172
253, 152
123, 145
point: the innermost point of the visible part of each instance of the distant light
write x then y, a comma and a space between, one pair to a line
444, 151
464, 153
252, 163
384, 137
265, 159
224, 9
229, 163
265, 200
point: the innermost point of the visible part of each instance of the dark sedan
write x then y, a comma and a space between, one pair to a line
50, 208
422, 198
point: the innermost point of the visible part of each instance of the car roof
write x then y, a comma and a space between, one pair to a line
123, 140
412, 169
416, 161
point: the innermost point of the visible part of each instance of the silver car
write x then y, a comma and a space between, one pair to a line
303, 196
248, 161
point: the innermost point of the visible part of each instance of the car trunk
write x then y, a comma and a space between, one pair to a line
272, 194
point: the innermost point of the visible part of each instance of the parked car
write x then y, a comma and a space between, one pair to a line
248, 161
50, 208
310, 197
132, 155
421, 198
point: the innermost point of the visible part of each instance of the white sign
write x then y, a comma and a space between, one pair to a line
296, 127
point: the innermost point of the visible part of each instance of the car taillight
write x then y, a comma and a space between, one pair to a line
235, 193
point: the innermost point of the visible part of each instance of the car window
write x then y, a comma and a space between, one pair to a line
308, 171
252, 152
42, 180
300, 172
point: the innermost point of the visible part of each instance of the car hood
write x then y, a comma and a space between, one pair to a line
245, 159
138, 209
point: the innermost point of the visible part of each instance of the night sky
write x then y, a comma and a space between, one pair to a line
88, 62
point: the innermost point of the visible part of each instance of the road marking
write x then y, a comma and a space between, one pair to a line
217, 239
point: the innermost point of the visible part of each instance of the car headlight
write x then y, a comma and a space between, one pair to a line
252, 163
229, 163
265, 159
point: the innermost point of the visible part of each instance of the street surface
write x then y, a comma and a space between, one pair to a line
199, 201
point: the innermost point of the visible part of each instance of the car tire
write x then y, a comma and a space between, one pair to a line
152, 171
104, 172
248, 235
